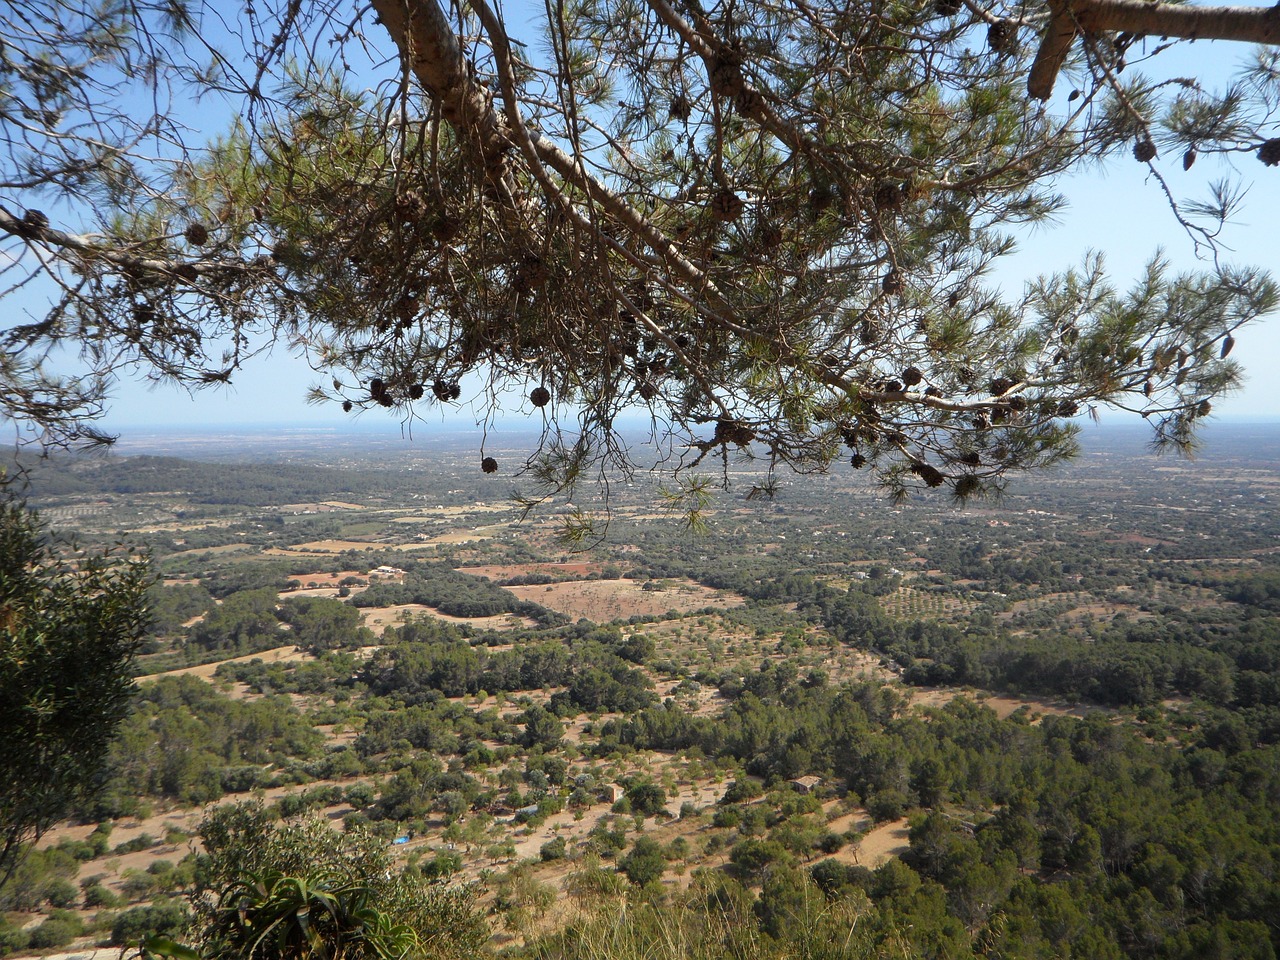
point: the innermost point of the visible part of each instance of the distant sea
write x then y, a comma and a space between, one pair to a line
1254, 440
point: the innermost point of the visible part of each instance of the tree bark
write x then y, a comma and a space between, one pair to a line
429, 45
1069, 18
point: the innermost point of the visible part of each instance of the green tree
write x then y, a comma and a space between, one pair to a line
70, 625
322, 623
541, 728
647, 797
244, 622
644, 863
767, 225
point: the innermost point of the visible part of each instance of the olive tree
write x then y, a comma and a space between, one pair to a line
768, 225
70, 626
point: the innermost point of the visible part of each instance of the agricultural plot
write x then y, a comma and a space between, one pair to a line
607, 600
909, 603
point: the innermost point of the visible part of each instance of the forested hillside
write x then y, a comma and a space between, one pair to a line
1043, 727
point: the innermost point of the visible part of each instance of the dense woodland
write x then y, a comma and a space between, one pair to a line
1126, 810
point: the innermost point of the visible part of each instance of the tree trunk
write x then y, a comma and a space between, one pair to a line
1070, 18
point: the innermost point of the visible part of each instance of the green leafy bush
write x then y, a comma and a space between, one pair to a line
133, 925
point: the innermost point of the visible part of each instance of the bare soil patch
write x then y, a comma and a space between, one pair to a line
378, 619
205, 671
1003, 706
562, 569
461, 536
317, 579
605, 600
885, 841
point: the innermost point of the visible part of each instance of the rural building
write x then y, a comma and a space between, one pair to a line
806, 784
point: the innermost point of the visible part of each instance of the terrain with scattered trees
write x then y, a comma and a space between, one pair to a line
1043, 726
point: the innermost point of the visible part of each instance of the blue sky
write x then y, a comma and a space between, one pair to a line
1116, 209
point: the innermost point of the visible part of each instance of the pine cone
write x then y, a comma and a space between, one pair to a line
34, 221
888, 196
726, 206
930, 475
748, 100
1144, 151
726, 78
1269, 152
1001, 36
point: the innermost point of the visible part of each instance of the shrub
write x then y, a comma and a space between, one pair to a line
554, 849
886, 805
647, 798
752, 856
137, 885
140, 922
12, 938
100, 896
830, 842
740, 791
80, 849
727, 817
59, 930
61, 893
143, 841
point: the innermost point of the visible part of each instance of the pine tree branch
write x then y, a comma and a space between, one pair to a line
421, 31
91, 249
1069, 18
426, 39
